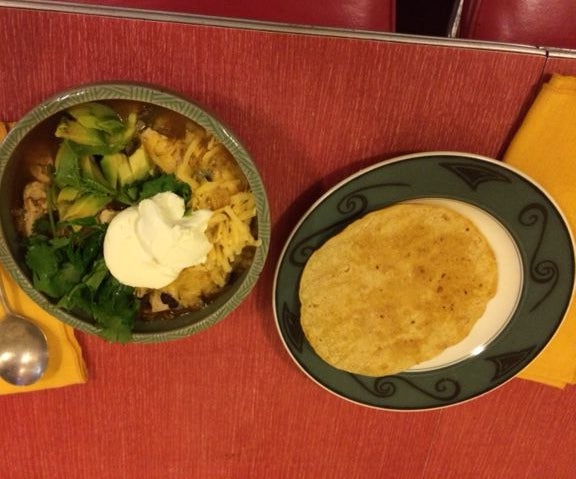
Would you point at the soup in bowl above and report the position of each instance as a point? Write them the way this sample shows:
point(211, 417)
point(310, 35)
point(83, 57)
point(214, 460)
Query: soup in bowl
point(131, 212)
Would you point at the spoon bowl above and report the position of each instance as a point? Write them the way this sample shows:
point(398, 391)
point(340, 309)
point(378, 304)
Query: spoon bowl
point(23, 348)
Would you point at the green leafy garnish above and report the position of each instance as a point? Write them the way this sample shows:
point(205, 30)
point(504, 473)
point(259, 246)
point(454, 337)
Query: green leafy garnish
point(100, 296)
point(54, 267)
point(71, 270)
point(142, 190)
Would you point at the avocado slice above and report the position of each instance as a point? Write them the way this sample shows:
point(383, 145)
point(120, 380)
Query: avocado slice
point(67, 172)
point(140, 164)
point(112, 165)
point(91, 171)
point(67, 194)
point(92, 177)
point(96, 128)
point(119, 140)
point(97, 116)
point(120, 170)
point(87, 205)
point(79, 134)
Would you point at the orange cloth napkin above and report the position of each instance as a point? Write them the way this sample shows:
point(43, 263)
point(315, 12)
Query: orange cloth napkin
point(545, 149)
point(66, 365)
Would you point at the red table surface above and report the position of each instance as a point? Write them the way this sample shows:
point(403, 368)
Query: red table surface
point(229, 402)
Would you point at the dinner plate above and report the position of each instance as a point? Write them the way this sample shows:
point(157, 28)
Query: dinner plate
point(533, 247)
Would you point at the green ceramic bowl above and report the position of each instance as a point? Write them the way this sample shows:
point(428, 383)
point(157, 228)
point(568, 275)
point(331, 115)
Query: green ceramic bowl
point(43, 117)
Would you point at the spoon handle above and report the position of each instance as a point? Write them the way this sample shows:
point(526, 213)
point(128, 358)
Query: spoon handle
point(3, 300)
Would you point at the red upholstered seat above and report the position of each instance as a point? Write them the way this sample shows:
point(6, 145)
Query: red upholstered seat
point(548, 23)
point(374, 15)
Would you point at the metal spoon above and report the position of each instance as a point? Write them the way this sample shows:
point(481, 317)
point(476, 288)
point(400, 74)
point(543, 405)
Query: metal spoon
point(23, 347)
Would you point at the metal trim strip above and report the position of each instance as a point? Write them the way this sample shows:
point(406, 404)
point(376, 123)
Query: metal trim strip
point(176, 17)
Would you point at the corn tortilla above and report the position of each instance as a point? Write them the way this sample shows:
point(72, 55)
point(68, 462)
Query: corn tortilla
point(396, 288)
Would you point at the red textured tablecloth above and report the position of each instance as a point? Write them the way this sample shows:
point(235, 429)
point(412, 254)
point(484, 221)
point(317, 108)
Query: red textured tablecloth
point(229, 402)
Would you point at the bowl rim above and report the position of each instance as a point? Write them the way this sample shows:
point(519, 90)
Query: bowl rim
point(168, 99)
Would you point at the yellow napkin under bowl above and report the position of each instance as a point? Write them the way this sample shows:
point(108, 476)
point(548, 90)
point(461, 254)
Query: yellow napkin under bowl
point(544, 148)
point(66, 364)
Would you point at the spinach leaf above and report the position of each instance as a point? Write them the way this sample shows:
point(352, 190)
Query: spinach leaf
point(71, 270)
point(115, 309)
point(111, 304)
point(52, 271)
point(163, 183)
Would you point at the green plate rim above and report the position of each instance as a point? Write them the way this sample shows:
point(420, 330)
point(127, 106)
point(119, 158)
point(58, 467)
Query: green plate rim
point(537, 225)
point(173, 101)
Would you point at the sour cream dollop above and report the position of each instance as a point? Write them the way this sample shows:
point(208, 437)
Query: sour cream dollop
point(148, 245)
